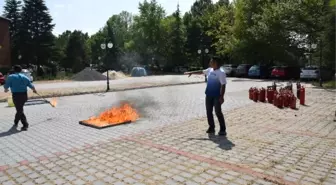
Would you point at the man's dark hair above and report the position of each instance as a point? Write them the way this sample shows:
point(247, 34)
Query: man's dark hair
point(216, 59)
point(11, 72)
point(17, 69)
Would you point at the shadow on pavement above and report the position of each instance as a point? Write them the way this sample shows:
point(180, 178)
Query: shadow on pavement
point(223, 142)
point(35, 102)
point(326, 89)
point(11, 131)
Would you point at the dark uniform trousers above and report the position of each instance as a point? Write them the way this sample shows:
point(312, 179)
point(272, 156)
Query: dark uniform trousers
point(19, 99)
point(210, 103)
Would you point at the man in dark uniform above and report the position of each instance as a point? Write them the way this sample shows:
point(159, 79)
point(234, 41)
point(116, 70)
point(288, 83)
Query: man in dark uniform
point(18, 84)
point(215, 91)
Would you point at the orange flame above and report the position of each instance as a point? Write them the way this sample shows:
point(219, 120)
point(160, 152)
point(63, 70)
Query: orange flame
point(114, 116)
point(53, 102)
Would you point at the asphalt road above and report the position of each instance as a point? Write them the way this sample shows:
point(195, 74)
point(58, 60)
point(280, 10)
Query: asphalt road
point(57, 129)
point(130, 80)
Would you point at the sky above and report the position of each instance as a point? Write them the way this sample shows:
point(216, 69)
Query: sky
point(91, 15)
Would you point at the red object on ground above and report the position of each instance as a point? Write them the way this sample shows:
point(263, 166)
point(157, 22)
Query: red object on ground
point(293, 102)
point(270, 95)
point(251, 93)
point(255, 95)
point(280, 99)
point(286, 100)
point(2, 79)
point(302, 95)
point(275, 98)
point(262, 95)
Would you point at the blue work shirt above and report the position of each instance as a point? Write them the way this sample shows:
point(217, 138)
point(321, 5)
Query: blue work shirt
point(216, 78)
point(18, 83)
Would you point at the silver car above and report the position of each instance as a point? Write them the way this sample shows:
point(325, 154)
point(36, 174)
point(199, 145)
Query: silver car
point(28, 74)
point(230, 69)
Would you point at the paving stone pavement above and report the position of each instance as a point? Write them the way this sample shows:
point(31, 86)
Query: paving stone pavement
point(266, 145)
point(55, 130)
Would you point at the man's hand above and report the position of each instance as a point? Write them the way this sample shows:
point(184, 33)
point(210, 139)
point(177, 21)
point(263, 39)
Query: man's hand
point(34, 91)
point(188, 73)
point(221, 100)
point(6, 90)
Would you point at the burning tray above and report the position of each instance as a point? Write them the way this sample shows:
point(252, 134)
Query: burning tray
point(124, 114)
point(85, 123)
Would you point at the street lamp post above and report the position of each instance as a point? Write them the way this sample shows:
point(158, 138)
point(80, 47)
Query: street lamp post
point(105, 47)
point(312, 46)
point(320, 63)
point(200, 52)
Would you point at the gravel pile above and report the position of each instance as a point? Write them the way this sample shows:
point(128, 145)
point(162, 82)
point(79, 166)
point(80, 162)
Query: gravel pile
point(88, 75)
point(114, 75)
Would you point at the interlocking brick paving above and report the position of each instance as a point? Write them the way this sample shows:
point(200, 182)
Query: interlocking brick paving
point(265, 145)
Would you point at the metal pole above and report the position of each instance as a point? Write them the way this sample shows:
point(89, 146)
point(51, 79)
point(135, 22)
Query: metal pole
point(108, 77)
point(204, 66)
point(320, 72)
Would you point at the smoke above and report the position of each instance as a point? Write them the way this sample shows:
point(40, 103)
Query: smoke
point(130, 59)
point(142, 102)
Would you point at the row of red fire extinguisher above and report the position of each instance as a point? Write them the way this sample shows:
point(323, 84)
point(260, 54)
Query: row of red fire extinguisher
point(282, 98)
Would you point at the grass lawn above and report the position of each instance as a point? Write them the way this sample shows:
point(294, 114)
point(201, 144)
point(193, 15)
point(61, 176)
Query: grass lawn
point(329, 84)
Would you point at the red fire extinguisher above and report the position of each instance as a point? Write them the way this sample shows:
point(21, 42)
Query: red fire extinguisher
point(262, 95)
point(255, 95)
point(302, 95)
point(270, 95)
point(293, 102)
point(251, 93)
point(298, 87)
point(286, 100)
point(275, 98)
point(280, 100)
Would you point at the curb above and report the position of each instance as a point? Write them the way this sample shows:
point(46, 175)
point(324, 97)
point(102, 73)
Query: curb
point(104, 91)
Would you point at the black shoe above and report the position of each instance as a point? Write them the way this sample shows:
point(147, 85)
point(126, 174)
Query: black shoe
point(15, 125)
point(210, 131)
point(24, 128)
point(222, 133)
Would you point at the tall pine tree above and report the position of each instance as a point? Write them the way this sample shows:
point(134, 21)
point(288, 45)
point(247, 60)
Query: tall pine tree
point(36, 32)
point(12, 11)
point(177, 39)
point(111, 53)
point(76, 55)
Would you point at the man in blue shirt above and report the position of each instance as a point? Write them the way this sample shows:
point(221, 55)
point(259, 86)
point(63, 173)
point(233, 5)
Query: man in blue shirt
point(215, 90)
point(18, 84)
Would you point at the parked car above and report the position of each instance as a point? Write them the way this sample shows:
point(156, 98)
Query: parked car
point(259, 71)
point(242, 70)
point(286, 72)
point(2, 79)
point(313, 73)
point(28, 74)
point(138, 72)
point(180, 69)
point(229, 69)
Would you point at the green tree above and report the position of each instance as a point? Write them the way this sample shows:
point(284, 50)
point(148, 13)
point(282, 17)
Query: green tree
point(94, 42)
point(196, 28)
point(59, 49)
point(12, 11)
point(76, 52)
point(36, 32)
point(121, 26)
point(148, 30)
point(178, 40)
point(221, 21)
point(111, 58)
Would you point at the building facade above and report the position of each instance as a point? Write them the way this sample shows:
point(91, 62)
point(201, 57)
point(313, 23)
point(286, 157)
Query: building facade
point(5, 51)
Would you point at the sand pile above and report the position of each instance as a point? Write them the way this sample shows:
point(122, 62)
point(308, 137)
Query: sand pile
point(88, 75)
point(114, 75)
